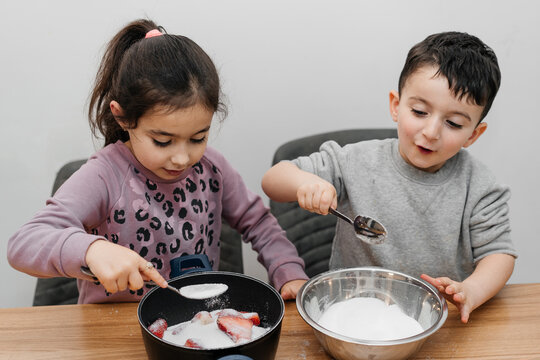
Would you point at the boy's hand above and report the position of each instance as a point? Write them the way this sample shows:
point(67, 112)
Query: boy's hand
point(317, 196)
point(455, 292)
point(119, 268)
point(291, 288)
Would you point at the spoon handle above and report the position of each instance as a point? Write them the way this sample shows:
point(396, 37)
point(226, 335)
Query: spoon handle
point(340, 215)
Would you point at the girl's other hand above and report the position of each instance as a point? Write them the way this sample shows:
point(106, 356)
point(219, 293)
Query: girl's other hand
point(119, 268)
point(290, 289)
point(455, 292)
point(317, 196)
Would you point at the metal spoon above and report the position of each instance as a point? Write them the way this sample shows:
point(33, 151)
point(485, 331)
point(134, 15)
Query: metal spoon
point(367, 229)
point(205, 290)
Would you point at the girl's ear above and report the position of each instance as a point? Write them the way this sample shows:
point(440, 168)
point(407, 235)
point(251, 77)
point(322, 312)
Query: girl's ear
point(118, 113)
point(394, 103)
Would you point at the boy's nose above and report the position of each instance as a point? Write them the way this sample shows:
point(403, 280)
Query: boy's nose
point(432, 129)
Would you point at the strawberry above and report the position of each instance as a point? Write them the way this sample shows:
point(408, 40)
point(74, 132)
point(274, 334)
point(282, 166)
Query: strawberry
point(253, 316)
point(202, 317)
point(237, 328)
point(158, 327)
point(193, 343)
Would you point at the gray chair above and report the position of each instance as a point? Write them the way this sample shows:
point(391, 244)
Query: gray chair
point(312, 234)
point(62, 291)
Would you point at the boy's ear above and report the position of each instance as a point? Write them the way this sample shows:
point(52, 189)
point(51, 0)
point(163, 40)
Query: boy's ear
point(394, 102)
point(118, 113)
point(479, 130)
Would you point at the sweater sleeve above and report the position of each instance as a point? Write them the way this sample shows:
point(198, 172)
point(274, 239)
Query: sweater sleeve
point(325, 164)
point(246, 212)
point(490, 224)
point(54, 242)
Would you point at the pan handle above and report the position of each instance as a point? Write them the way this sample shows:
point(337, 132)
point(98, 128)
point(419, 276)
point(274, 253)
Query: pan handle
point(189, 263)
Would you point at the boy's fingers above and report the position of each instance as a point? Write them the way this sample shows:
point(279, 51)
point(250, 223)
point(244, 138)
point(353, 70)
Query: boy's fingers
point(432, 281)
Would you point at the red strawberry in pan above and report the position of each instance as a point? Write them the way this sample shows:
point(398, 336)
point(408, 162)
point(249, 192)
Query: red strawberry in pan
point(202, 317)
point(237, 328)
point(158, 327)
point(193, 343)
point(253, 316)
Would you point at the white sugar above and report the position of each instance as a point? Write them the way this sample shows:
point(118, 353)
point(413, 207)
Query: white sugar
point(369, 319)
point(203, 291)
point(206, 334)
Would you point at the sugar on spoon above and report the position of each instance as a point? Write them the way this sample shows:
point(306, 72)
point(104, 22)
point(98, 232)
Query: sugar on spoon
point(367, 229)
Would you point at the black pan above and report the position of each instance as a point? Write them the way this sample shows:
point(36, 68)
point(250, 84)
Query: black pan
point(244, 293)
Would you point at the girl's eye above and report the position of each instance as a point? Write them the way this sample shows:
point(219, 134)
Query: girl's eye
point(161, 144)
point(418, 112)
point(198, 141)
point(453, 124)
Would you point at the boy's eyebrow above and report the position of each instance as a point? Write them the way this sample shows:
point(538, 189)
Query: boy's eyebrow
point(465, 115)
point(165, 133)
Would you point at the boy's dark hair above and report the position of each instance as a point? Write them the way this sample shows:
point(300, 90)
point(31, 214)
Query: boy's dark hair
point(469, 65)
point(141, 73)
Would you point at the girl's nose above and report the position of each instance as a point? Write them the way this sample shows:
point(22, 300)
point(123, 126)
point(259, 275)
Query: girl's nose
point(180, 158)
point(432, 128)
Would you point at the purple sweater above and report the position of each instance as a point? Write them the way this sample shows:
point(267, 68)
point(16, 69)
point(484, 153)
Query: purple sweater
point(114, 197)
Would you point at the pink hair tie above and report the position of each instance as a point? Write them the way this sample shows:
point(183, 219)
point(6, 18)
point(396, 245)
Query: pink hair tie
point(153, 33)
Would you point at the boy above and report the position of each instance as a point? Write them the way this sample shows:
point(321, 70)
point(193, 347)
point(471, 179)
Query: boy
point(445, 214)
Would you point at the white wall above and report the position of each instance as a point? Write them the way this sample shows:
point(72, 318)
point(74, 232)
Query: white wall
point(289, 69)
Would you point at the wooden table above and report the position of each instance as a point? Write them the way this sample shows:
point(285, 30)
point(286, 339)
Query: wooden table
point(506, 327)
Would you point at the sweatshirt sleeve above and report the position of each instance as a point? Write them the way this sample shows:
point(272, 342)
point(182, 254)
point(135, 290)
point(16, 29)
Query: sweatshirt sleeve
point(325, 164)
point(246, 212)
point(54, 242)
point(490, 223)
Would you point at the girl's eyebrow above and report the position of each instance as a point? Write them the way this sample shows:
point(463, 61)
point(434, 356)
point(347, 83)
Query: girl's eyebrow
point(165, 133)
point(465, 115)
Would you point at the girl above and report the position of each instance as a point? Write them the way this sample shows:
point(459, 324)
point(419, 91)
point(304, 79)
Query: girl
point(155, 191)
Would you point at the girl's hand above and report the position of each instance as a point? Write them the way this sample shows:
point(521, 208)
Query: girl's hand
point(119, 268)
point(291, 288)
point(455, 292)
point(317, 196)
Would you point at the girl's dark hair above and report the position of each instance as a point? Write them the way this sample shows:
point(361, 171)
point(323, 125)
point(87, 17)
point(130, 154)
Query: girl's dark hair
point(168, 70)
point(469, 65)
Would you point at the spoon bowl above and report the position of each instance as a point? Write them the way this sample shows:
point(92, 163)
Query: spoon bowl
point(367, 229)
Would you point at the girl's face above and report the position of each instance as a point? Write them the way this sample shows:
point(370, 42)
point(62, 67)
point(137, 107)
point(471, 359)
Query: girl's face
point(169, 142)
point(433, 125)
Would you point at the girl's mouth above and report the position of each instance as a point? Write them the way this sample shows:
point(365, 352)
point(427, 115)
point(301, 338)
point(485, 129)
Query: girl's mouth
point(174, 172)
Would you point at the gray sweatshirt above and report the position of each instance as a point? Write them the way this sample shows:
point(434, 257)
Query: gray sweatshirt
point(438, 223)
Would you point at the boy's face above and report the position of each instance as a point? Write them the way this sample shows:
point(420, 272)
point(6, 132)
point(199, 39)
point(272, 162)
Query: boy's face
point(433, 125)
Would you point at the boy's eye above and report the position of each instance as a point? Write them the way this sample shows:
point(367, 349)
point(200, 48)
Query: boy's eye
point(161, 144)
point(418, 112)
point(453, 124)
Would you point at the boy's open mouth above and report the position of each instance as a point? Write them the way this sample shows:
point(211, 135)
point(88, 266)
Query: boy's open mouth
point(424, 150)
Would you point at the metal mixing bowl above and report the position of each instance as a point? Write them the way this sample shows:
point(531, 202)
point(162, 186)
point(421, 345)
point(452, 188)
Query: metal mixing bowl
point(415, 297)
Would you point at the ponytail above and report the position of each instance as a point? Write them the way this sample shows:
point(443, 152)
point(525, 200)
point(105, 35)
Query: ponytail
point(139, 73)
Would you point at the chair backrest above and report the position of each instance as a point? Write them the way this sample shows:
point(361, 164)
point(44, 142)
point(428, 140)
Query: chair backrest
point(61, 291)
point(312, 234)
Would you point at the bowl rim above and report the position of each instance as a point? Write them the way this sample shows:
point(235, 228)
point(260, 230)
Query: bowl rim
point(373, 269)
point(212, 273)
